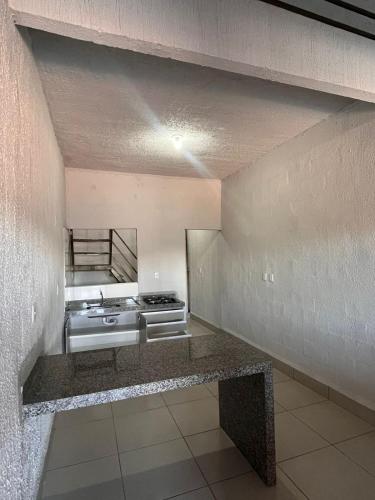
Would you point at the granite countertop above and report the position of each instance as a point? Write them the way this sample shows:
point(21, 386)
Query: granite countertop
point(67, 381)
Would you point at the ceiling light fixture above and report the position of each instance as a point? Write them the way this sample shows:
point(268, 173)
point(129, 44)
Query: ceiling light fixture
point(177, 142)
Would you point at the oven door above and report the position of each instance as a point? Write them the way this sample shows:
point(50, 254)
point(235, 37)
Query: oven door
point(163, 325)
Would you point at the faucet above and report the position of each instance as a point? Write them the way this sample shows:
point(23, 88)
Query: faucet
point(102, 298)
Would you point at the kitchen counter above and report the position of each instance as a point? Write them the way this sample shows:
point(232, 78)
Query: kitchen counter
point(67, 381)
point(121, 321)
point(119, 304)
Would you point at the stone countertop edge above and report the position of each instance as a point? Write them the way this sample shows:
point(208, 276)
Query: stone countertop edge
point(109, 395)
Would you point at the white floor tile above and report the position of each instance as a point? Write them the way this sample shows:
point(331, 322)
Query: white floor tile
point(196, 416)
point(145, 429)
point(81, 443)
point(201, 494)
point(250, 487)
point(361, 450)
point(192, 393)
point(294, 438)
point(137, 405)
point(278, 408)
point(293, 395)
point(279, 376)
point(95, 480)
point(208, 442)
point(159, 472)
point(332, 422)
point(217, 456)
point(197, 329)
point(213, 387)
point(327, 474)
point(83, 464)
point(82, 415)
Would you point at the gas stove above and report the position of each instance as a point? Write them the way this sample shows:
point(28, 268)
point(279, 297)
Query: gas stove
point(163, 318)
point(159, 299)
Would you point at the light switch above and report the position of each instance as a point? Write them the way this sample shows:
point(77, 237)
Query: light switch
point(271, 277)
point(265, 276)
point(33, 313)
point(156, 275)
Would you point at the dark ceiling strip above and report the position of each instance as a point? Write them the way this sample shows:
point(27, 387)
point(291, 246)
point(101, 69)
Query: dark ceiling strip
point(353, 8)
point(317, 17)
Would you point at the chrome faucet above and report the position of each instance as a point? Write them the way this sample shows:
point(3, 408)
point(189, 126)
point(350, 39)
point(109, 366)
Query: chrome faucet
point(102, 298)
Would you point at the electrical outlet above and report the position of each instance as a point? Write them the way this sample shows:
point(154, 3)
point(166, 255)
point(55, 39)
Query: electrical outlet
point(156, 275)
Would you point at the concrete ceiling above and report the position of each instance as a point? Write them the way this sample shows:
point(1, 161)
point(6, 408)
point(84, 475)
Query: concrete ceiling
point(118, 110)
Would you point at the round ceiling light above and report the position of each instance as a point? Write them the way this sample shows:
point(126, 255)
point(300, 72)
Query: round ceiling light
point(177, 142)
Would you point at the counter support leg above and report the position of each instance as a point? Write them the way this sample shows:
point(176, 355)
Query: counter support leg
point(246, 415)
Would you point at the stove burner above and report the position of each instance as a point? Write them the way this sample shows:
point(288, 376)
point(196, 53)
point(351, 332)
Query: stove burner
point(159, 299)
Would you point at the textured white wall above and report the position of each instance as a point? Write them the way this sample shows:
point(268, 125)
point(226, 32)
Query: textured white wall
point(306, 212)
point(242, 36)
point(159, 207)
point(205, 274)
point(31, 254)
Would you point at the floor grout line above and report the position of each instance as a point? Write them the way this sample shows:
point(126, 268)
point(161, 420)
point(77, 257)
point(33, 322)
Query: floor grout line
point(185, 492)
point(212, 395)
point(82, 423)
point(150, 445)
point(354, 437)
point(44, 471)
point(293, 377)
point(309, 426)
point(304, 454)
point(208, 485)
point(331, 445)
point(197, 463)
point(300, 407)
point(252, 472)
point(320, 435)
point(353, 461)
point(307, 453)
point(188, 447)
point(81, 463)
point(295, 484)
point(118, 454)
point(192, 400)
point(118, 417)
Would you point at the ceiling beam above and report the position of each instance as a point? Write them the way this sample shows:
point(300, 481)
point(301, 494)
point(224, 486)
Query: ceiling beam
point(243, 36)
point(337, 13)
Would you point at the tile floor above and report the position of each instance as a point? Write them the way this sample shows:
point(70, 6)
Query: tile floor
point(170, 446)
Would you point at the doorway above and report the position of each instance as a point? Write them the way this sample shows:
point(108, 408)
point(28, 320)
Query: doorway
point(203, 273)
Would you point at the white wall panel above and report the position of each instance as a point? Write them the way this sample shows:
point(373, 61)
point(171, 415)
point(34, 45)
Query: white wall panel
point(159, 207)
point(31, 254)
point(306, 212)
point(242, 36)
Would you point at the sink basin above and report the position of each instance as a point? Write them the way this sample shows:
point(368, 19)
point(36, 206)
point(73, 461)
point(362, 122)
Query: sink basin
point(104, 306)
point(91, 306)
point(100, 327)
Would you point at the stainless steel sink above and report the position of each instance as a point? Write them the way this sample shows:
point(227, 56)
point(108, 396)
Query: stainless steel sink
point(100, 306)
point(106, 304)
point(100, 327)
